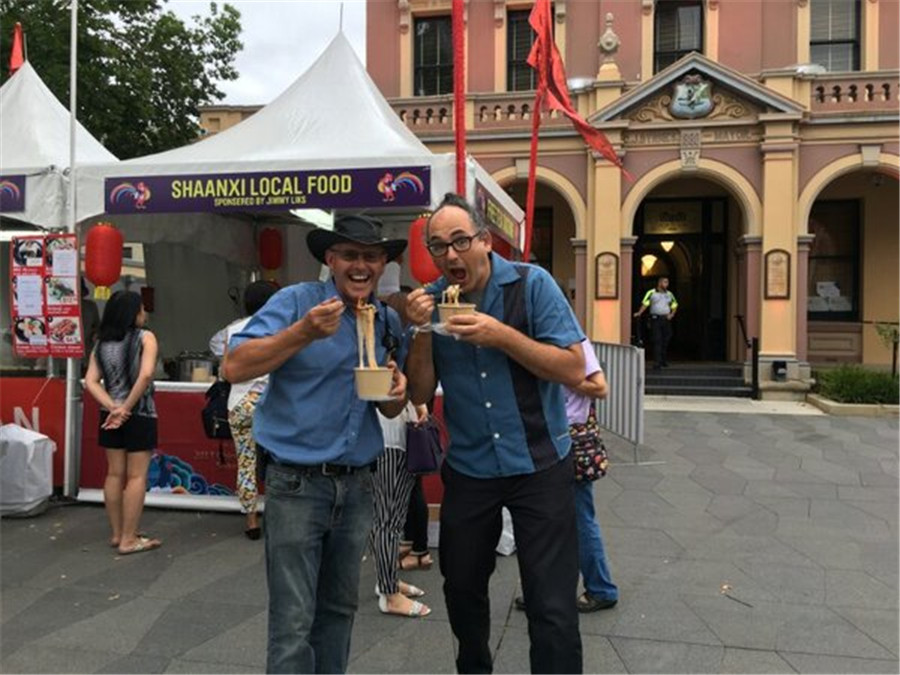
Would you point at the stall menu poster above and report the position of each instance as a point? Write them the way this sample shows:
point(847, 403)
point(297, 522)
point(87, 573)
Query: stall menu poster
point(46, 303)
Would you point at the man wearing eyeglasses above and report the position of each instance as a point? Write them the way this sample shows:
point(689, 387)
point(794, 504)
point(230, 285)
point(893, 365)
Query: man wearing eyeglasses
point(501, 369)
point(320, 441)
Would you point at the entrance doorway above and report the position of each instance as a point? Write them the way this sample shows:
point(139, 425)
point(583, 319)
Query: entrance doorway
point(685, 240)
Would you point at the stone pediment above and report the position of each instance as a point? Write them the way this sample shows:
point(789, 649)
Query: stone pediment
point(696, 88)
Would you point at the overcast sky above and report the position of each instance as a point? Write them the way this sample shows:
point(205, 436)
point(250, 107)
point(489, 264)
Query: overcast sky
point(281, 40)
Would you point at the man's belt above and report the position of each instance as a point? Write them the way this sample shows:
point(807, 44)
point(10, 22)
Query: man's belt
point(325, 469)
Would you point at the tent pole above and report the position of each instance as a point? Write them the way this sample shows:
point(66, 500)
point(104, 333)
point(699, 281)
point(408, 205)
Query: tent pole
point(70, 483)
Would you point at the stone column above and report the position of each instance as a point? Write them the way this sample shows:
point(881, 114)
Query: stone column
point(579, 248)
point(751, 246)
point(605, 230)
point(626, 267)
point(804, 242)
point(778, 336)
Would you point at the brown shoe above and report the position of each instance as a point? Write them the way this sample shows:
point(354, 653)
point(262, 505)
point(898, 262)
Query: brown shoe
point(589, 603)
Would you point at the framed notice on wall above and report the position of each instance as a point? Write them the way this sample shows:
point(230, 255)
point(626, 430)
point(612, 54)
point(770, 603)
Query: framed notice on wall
point(778, 274)
point(606, 276)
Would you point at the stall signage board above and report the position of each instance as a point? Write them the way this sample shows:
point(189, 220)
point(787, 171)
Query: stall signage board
point(272, 190)
point(12, 194)
point(498, 218)
point(45, 303)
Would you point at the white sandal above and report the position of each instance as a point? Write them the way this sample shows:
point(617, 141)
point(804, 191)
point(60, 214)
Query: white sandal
point(416, 609)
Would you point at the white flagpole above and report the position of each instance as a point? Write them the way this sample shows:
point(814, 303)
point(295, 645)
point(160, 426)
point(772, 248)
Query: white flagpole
point(70, 477)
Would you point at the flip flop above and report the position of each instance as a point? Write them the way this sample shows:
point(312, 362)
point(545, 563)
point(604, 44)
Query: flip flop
point(116, 545)
point(143, 544)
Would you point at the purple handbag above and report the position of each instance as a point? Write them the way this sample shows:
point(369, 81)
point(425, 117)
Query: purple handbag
point(423, 447)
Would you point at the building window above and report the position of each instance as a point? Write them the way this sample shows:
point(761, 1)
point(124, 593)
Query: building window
point(833, 290)
point(433, 74)
point(678, 30)
point(834, 34)
point(519, 38)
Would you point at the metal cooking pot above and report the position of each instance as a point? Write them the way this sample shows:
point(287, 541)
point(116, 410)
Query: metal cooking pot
point(188, 361)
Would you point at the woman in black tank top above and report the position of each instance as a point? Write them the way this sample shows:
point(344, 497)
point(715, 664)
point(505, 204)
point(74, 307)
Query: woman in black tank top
point(120, 378)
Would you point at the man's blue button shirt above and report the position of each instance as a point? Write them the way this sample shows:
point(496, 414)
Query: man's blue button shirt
point(309, 413)
point(502, 420)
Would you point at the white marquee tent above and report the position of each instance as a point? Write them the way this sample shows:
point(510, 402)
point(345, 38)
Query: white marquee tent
point(332, 118)
point(34, 142)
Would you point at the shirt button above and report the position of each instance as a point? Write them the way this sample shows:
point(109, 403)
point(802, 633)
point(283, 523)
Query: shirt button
point(496, 435)
point(483, 375)
point(487, 404)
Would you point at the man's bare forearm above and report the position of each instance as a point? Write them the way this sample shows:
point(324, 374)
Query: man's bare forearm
point(260, 356)
point(420, 370)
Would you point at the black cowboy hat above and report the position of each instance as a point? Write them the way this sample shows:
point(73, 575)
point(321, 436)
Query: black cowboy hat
point(353, 230)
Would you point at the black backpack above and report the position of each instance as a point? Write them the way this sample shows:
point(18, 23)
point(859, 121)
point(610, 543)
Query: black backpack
point(215, 412)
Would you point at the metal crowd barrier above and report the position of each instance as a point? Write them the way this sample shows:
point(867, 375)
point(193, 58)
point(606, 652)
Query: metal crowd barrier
point(622, 411)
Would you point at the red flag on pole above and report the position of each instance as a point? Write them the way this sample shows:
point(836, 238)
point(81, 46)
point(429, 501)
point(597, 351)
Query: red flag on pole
point(553, 92)
point(17, 53)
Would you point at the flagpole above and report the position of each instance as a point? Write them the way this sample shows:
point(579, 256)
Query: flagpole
point(459, 93)
point(70, 487)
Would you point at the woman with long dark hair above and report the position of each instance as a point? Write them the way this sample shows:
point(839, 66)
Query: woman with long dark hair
point(124, 359)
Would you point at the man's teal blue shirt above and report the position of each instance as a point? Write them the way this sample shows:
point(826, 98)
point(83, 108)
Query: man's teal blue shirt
point(309, 412)
point(502, 419)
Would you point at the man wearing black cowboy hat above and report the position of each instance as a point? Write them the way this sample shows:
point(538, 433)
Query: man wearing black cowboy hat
point(320, 440)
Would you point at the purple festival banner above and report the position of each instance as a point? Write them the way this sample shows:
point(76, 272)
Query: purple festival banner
point(271, 190)
point(12, 194)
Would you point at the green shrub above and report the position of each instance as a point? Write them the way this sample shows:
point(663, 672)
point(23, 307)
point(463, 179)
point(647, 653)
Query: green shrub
point(854, 384)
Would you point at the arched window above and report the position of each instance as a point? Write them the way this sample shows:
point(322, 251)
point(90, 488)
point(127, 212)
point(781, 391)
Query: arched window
point(678, 30)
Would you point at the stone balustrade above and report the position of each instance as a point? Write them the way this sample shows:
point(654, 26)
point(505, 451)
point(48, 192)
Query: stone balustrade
point(511, 111)
point(433, 115)
point(426, 114)
point(856, 92)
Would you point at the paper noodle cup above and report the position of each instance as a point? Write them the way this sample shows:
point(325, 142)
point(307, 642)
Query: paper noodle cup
point(445, 311)
point(373, 384)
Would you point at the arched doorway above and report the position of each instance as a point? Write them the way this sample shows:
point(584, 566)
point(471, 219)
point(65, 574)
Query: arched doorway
point(554, 229)
point(686, 229)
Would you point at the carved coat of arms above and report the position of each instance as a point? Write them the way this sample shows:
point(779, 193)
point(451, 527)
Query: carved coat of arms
point(692, 98)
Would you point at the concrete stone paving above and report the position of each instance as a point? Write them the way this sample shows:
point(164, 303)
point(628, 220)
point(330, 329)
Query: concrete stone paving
point(742, 542)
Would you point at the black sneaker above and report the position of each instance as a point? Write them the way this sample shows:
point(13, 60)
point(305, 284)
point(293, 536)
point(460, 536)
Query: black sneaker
point(519, 603)
point(589, 603)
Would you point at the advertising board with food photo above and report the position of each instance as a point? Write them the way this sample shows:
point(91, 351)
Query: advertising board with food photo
point(45, 304)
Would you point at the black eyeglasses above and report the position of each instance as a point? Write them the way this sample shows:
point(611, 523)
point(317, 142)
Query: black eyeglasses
point(351, 256)
point(460, 245)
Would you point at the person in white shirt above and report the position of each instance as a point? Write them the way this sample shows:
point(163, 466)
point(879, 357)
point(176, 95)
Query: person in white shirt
point(241, 404)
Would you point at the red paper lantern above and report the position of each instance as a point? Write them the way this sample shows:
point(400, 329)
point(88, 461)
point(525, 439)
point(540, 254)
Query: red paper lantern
point(103, 258)
point(271, 250)
point(421, 264)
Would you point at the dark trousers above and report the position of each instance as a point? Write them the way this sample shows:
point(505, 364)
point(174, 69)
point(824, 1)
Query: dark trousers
point(416, 528)
point(661, 328)
point(542, 506)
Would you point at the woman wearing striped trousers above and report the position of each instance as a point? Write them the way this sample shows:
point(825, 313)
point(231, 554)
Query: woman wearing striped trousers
point(392, 487)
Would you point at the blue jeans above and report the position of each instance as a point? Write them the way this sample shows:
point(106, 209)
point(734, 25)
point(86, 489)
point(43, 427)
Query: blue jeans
point(316, 528)
point(591, 555)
